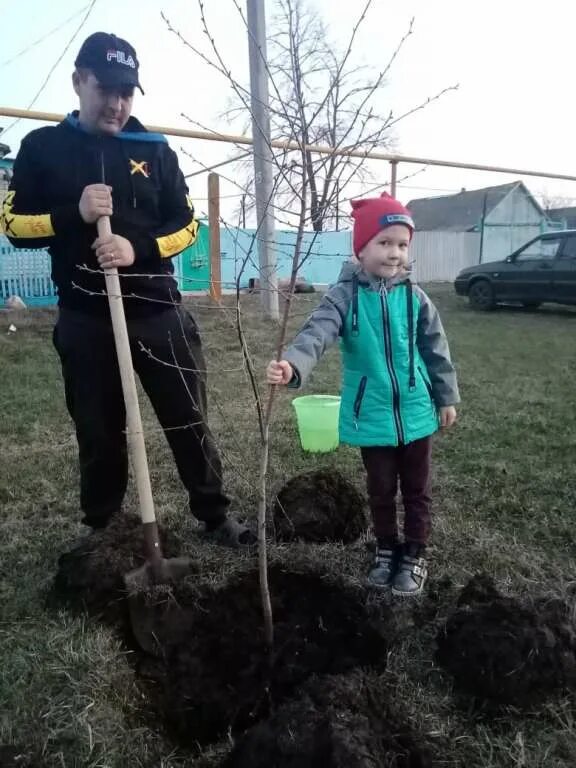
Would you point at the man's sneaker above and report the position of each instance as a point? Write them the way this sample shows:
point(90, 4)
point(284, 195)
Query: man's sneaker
point(382, 573)
point(411, 576)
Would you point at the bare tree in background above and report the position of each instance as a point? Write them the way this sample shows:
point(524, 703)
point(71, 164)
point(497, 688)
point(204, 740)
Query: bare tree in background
point(550, 202)
point(323, 97)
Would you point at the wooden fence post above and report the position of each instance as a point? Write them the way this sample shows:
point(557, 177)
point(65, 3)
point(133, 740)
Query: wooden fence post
point(214, 226)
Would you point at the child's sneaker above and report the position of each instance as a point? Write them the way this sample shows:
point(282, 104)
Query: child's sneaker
point(411, 574)
point(382, 573)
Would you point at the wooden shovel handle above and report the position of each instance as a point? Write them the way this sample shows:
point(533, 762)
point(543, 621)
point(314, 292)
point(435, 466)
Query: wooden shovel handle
point(135, 433)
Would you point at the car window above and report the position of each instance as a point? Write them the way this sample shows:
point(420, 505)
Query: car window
point(539, 250)
point(569, 250)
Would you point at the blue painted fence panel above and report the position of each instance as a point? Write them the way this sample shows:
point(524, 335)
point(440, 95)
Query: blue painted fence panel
point(327, 251)
point(26, 274)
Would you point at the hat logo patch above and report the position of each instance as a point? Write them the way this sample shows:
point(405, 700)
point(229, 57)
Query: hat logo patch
point(396, 218)
point(121, 58)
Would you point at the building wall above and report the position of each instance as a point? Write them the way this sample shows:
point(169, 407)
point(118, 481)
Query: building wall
point(439, 256)
point(511, 224)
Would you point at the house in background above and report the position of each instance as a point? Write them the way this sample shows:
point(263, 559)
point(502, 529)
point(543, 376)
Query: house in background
point(498, 219)
point(564, 216)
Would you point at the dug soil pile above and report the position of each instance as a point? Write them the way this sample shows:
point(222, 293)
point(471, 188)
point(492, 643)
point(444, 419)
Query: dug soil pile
point(212, 677)
point(90, 576)
point(338, 722)
point(216, 677)
point(506, 651)
point(319, 507)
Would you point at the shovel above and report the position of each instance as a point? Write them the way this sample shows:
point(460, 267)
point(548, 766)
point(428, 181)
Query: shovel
point(157, 569)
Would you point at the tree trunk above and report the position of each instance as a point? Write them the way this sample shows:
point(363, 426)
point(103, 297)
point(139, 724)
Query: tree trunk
point(262, 547)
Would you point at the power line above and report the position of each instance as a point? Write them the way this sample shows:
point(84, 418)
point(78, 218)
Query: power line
point(28, 48)
point(53, 68)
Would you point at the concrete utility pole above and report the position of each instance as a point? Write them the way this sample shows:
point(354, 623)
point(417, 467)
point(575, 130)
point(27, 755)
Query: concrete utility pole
point(263, 177)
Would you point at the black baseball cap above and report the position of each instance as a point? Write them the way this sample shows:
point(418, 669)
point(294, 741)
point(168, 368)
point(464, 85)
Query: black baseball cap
point(113, 61)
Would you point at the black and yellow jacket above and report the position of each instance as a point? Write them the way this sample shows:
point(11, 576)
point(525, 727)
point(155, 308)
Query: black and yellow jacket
point(151, 209)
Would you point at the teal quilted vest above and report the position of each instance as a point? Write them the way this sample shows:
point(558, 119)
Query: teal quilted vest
point(386, 391)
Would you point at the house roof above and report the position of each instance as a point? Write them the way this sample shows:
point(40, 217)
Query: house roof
point(463, 211)
point(567, 214)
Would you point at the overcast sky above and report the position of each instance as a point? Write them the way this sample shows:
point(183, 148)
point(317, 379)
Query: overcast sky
point(514, 66)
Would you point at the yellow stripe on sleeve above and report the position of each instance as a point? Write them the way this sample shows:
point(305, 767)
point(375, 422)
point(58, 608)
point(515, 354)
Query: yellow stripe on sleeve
point(23, 225)
point(170, 245)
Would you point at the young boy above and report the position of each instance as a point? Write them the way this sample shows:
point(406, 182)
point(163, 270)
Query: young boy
point(398, 382)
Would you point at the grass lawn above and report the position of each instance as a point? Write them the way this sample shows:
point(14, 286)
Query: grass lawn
point(505, 503)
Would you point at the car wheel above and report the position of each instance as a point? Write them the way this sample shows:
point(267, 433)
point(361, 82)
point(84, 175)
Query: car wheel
point(481, 295)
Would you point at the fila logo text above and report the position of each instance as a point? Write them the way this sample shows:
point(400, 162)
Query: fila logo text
point(121, 58)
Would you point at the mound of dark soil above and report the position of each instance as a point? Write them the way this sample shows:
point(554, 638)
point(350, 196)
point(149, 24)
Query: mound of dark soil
point(479, 590)
point(218, 677)
point(435, 602)
point(90, 576)
point(319, 507)
point(505, 651)
point(338, 722)
point(213, 675)
point(14, 757)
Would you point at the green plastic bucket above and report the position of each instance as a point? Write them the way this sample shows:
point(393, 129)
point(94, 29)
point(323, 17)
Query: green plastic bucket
point(317, 417)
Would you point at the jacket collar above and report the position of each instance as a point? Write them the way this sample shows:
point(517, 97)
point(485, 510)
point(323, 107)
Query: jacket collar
point(132, 131)
point(353, 268)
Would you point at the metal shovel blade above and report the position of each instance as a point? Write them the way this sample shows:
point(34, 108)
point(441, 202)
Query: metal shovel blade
point(151, 602)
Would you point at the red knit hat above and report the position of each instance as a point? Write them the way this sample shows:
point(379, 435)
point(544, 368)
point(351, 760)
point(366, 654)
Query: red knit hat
point(373, 214)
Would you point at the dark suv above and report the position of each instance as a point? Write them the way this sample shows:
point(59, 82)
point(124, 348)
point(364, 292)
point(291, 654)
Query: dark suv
point(542, 270)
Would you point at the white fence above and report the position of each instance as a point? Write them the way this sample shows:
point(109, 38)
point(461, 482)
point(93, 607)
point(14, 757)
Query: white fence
point(439, 256)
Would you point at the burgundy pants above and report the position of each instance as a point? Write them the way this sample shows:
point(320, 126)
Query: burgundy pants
point(409, 464)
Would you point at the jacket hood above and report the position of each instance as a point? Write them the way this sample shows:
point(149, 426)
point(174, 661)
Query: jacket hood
point(132, 131)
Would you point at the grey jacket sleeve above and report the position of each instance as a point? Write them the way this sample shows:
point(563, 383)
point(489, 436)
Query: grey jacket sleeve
point(433, 347)
point(320, 330)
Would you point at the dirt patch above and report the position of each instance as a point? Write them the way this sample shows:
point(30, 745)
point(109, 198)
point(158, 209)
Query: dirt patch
point(479, 590)
point(338, 722)
point(12, 756)
point(505, 651)
point(90, 576)
point(212, 675)
point(216, 677)
point(319, 507)
point(438, 599)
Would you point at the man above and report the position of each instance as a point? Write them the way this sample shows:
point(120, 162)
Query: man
point(100, 161)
